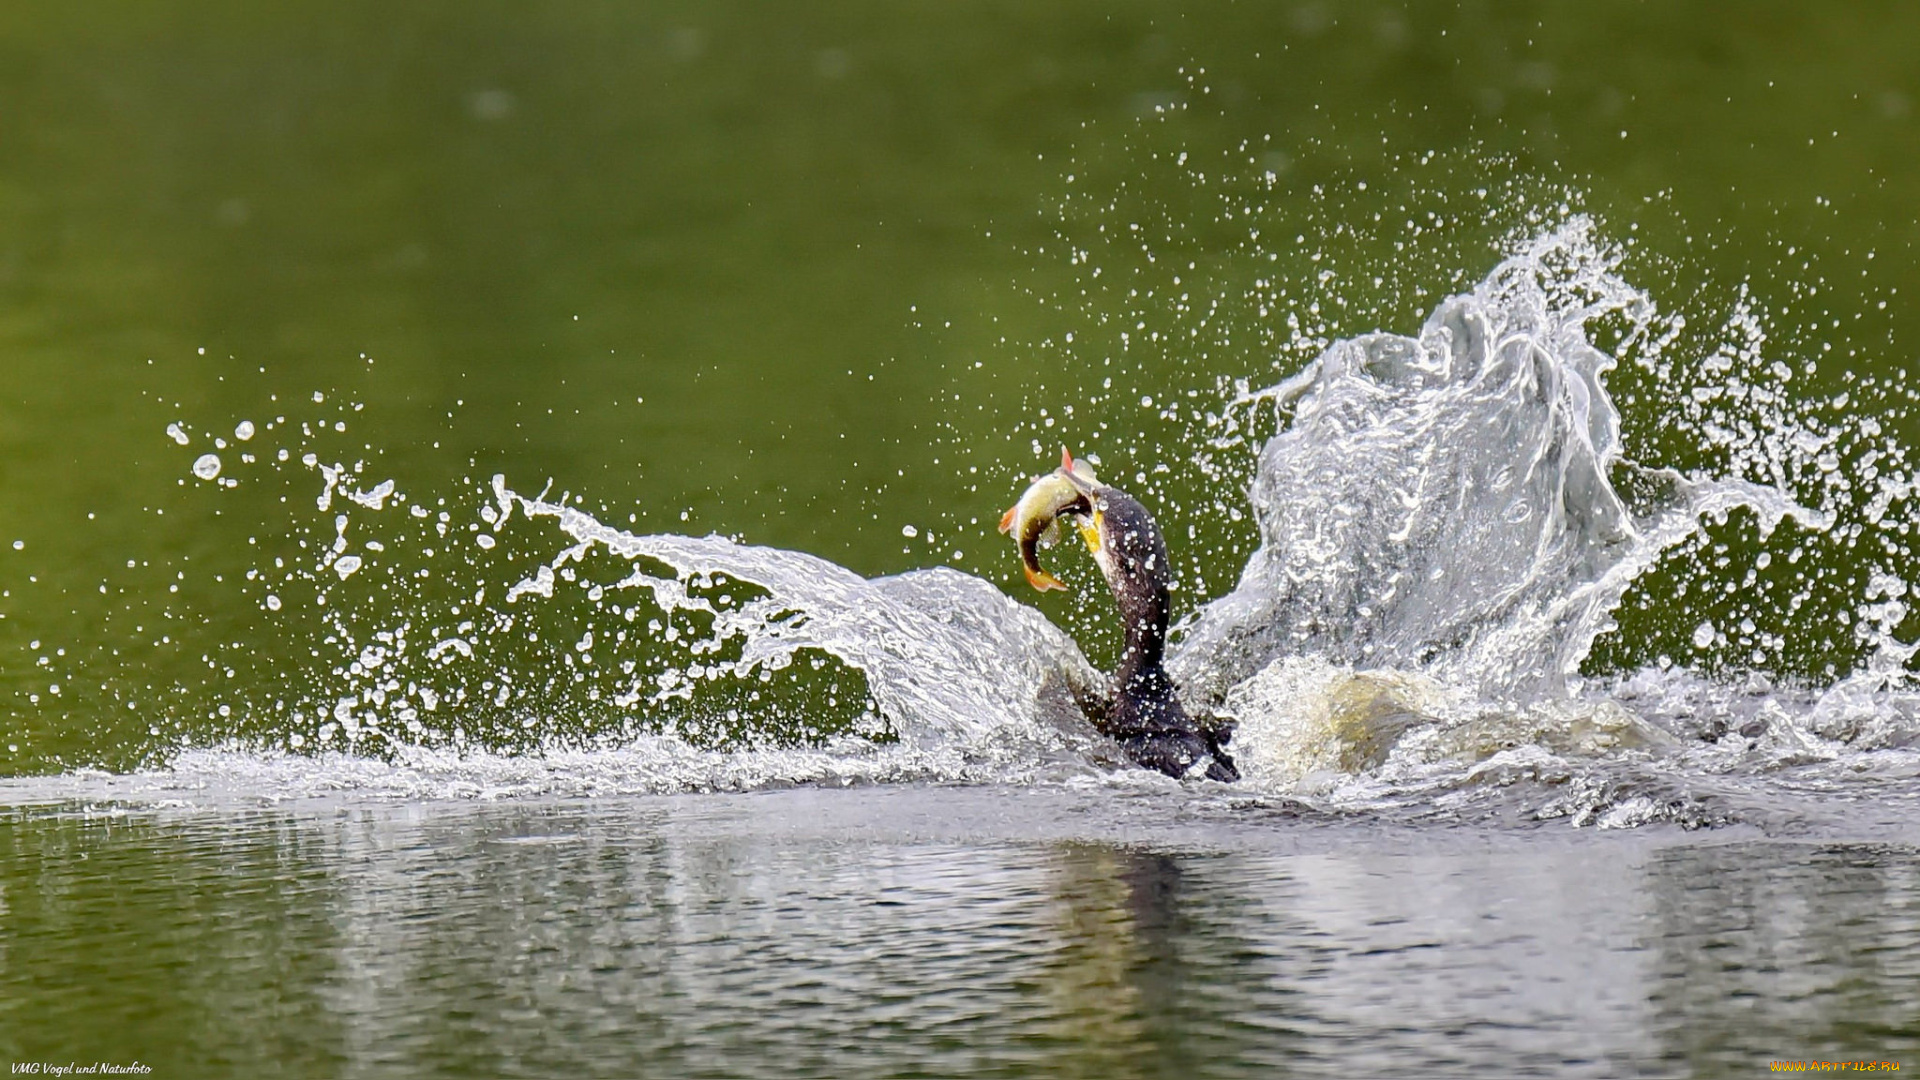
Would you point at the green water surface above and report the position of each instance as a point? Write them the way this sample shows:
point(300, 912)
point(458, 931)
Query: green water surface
point(805, 275)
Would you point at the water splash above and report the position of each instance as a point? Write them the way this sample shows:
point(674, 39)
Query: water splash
point(1448, 523)
point(1444, 502)
point(949, 659)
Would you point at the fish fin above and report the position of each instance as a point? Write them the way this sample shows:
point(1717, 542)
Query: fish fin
point(1006, 519)
point(1076, 471)
point(1042, 580)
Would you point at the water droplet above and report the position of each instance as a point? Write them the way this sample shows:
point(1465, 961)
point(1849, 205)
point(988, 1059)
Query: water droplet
point(179, 435)
point(908, 530)
point(485, 541)
point(207, 467)
point(1703, 635)
point(273, 602)
point(243, 431)
point(346, 566)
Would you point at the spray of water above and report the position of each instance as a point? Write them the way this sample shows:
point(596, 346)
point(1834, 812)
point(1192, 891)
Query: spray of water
point(1448, 525)
point(1443, 503)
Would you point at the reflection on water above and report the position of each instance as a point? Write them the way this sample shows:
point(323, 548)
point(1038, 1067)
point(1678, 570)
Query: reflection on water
point(977, 931)
point(1837, 933)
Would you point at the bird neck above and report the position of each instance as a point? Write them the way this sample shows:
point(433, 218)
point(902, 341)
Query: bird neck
point(1133, 558)
point(1145, 702)
point(1144, 611)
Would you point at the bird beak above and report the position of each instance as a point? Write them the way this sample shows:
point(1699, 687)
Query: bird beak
point(1089, 520)
point(1090, 526)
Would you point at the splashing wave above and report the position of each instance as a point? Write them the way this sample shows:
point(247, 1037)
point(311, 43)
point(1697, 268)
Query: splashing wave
point(1448, 523)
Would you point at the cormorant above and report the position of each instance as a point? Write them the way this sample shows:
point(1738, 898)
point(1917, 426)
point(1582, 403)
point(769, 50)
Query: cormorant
point(1145, 717)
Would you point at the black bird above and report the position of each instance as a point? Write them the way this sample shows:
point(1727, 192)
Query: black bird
point(1145, 717)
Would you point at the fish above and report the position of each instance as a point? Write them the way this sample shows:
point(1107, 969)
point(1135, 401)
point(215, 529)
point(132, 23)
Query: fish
point(1034, 521)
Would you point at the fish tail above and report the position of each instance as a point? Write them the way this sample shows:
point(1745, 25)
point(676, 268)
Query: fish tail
point(1042, 580)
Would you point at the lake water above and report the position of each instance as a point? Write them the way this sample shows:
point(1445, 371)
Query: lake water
point(908, 930)
point(497, 567)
